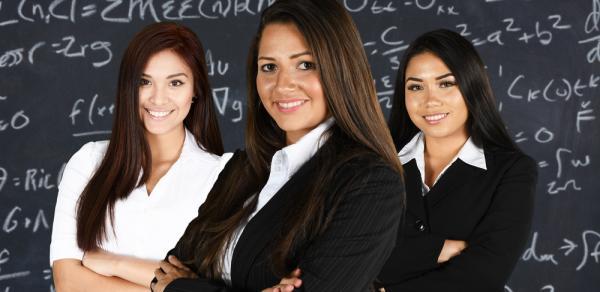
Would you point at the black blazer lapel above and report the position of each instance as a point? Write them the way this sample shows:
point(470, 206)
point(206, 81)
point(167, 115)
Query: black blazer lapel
point(455, 176)
point(413, 184)
point(262, 229)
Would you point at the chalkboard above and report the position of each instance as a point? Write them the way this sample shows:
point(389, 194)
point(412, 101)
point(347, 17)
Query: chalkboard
point(58, 71)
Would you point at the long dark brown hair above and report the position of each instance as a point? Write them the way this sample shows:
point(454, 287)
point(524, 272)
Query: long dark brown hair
point(359, 130)
point(484, 122)
point(128, 152)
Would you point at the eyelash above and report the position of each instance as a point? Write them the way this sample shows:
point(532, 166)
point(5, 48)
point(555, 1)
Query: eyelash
point(144, 82)
point(174, 83)
point(447, 83)
point(443, 84)
point(270, 67)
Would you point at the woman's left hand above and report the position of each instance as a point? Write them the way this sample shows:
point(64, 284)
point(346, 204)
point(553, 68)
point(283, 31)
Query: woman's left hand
point(169, 271)
point(287, 284)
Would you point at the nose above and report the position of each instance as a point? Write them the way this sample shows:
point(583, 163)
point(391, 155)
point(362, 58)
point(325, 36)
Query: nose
point(286, 82)
point(159, 94)
point(432, 97)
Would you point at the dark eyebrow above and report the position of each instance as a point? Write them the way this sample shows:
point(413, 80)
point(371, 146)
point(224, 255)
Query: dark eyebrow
point(443, 76)
point(266, 58)
point(414, 79)
point(177, 75)
point(168, 77)
point(294, 56)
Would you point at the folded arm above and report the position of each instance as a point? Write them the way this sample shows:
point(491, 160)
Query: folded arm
point(496, 243)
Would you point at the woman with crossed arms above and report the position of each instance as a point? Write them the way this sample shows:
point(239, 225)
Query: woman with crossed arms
point(470, 190)
point(157, 168)
point(318, 186)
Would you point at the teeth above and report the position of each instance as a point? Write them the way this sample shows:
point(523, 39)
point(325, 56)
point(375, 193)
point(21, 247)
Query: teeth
point(158, 114)
point(290, 104)
point(437, 117)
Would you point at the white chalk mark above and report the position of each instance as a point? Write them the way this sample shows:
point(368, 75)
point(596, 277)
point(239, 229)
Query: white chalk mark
point(92, 133)
point(14, 275)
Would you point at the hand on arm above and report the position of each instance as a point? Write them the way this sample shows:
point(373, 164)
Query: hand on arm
point(170, 271)
point(287, 284)
point(496, 243)
point(451, 249)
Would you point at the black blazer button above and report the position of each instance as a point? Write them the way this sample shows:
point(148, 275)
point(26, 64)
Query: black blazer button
point(419, 225)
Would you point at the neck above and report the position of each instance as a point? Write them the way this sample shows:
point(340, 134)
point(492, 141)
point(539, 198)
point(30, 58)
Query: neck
point(166, 147)
point(444, 148)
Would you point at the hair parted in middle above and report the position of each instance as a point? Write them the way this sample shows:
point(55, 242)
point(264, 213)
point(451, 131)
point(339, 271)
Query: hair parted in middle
point(359, 129)
point(128, 151)
point(484, 124)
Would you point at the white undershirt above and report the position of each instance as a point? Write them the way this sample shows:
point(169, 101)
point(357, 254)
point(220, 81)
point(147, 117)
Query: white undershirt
point(145, 226)
point(284, 165)
point(469, 153)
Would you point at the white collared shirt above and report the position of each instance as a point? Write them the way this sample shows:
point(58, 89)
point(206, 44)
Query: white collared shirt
point(145, 226)
point(284, 165)
point(469, 153)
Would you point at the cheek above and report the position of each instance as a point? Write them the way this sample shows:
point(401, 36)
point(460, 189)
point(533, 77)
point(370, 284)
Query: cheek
point(411, 104)
point(264, 85)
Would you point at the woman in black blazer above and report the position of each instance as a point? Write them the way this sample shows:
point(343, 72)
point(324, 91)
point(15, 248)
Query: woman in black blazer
point(319, 186)
point(470, 190)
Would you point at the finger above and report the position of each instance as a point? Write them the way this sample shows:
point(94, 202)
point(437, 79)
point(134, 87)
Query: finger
point(176, 262)
point(167, 267)
point(159, 274)
point(288, 281)
point(296, 273)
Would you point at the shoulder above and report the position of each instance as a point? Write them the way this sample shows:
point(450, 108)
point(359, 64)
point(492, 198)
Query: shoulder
point(366, 167)
point(89, 156)
point(500, 159)
point(82, 166)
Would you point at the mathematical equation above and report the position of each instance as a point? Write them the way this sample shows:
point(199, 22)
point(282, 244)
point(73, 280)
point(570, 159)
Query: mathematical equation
point(6, 276)
point(586, 249)
point(33, 179)
point(67, 47)
point(14, 121)
point(119, 11)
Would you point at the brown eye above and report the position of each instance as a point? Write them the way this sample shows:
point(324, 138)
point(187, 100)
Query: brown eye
point(176, 83)
point(414, 87)
point(268, 67)
point(445, 84)
point(144, 82)
point(306, 66)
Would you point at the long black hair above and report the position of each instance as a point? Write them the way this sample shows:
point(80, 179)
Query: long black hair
point(484, 123)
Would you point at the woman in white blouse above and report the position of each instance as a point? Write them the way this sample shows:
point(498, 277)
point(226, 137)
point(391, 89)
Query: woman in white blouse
point(162, 159)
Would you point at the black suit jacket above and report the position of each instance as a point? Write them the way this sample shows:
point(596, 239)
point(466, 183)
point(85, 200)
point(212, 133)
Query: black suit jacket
point(346, 257)
point(489, 209)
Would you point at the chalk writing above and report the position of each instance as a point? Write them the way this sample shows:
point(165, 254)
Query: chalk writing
point(66, 47)
point(221, 99)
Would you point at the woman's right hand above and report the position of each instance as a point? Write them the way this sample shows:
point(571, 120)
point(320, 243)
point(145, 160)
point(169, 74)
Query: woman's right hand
point(451, 249)
point(287, 284)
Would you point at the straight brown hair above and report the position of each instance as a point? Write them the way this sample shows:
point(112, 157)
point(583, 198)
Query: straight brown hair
point(359, 130)
point(128, 152)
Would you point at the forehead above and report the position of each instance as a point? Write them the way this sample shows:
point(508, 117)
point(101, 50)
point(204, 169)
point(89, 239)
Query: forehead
point(426, 64)
point(281, 38)
point(166, 62)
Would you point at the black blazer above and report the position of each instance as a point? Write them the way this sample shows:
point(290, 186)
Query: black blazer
point(346, 257)
point(489, 209)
